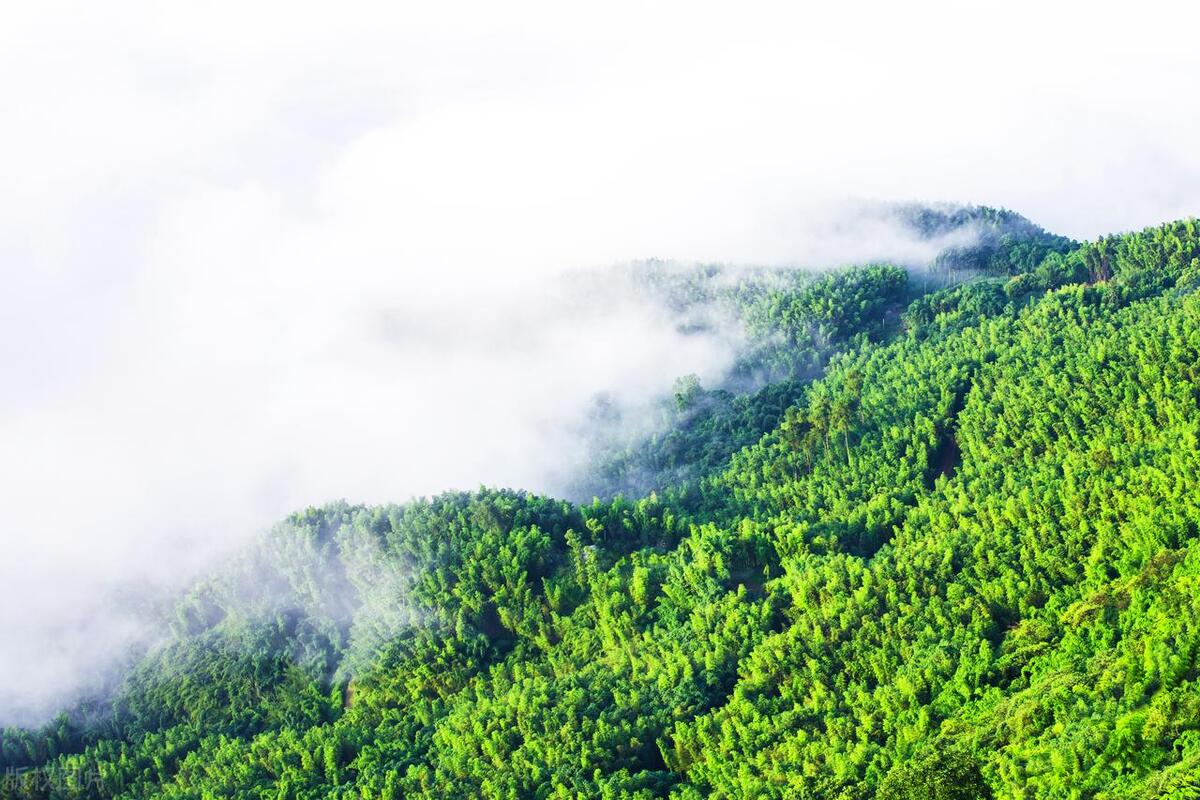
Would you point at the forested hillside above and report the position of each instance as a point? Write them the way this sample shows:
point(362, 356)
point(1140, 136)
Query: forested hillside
point(932, 539)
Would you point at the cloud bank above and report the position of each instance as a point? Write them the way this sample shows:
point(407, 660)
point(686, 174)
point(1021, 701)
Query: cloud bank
point(260, 258)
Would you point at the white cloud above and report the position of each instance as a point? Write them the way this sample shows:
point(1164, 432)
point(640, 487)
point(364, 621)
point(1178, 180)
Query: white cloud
point(261, 256)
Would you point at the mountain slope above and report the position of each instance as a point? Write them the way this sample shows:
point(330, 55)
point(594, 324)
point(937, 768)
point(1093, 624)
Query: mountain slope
point(962, 563)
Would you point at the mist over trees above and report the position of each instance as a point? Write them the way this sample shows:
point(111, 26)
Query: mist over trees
point(933, 536)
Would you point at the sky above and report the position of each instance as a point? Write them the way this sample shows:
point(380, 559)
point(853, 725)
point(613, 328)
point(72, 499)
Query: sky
point(261, 256)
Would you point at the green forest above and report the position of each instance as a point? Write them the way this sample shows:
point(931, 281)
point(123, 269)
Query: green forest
point(936, 537)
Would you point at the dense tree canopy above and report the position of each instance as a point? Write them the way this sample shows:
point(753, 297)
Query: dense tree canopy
point(949, 550)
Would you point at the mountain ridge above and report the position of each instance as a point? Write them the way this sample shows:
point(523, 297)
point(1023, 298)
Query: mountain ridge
point(811, 599)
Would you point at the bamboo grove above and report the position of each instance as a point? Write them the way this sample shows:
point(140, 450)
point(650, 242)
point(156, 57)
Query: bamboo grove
point(946, 544)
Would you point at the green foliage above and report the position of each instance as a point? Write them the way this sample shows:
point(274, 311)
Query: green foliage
point(962, 562)
point(1000, 242)
point(938, 775)
point(794, 324)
